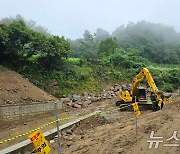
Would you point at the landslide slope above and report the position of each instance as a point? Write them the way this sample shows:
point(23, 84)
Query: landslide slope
point(16, 89)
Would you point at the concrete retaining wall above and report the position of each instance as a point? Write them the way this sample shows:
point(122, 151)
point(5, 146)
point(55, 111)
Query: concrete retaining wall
point(20, 112)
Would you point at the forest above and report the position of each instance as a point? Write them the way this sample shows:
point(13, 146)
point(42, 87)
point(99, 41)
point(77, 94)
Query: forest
point(61, 65)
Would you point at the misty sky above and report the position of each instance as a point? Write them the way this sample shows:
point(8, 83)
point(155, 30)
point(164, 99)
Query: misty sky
point(72, 17)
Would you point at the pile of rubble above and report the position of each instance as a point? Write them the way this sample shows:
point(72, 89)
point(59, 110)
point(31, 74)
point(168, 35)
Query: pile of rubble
point(84, 100)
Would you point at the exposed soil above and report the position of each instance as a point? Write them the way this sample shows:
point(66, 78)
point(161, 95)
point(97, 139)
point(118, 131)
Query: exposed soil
point(15, 89)
point(115, 133)
point(105, 134)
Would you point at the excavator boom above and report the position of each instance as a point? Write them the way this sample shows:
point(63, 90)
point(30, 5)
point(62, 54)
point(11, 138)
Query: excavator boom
point(144, 73)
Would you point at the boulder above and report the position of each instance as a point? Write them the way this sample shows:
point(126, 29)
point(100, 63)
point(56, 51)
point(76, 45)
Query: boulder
point(86, 103)
point(112, 88)
point(65, 100)
point(70, 103)
point(85, 94)
point(99, 98)
point(116, 88)
point(51, 142)
point(75, 96)
point(104, 121)
point(76, 106)
point(109, 96)
point(79, 102)
point(94, 99)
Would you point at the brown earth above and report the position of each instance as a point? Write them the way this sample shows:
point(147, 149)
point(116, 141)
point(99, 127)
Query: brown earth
point(118, 134)
point(16, 89)
point(105, 134)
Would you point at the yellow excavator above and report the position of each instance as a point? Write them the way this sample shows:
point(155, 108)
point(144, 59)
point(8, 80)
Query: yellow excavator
point(134, 93)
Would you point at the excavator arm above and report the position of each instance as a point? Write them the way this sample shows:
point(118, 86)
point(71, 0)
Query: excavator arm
point(144, 73)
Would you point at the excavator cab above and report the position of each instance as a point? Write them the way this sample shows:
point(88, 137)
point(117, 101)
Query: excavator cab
point(141, 95)
point(126, 96)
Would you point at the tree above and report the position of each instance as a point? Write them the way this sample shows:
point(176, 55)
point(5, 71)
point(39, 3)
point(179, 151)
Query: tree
point(87, 35)
point(3, 40)
point(15, 36)
point(101, 34)
point(88, 47)
point(107, 47)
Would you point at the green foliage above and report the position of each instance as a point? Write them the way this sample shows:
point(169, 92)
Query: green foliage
point(125, 59)
point(157, 42)
point(95, 59)
point(88, 47)
point(19, 42)
point(107, 47)
point(30, 24)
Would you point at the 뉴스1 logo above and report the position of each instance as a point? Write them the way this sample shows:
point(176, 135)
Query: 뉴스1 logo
point(158, 140)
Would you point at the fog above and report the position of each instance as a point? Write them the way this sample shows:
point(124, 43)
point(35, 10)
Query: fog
point(71, 18)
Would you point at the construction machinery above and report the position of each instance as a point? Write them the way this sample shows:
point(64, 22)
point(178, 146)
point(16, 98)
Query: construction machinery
point(134, 93)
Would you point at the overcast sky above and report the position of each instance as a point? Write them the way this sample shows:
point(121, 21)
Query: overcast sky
point(72, 17)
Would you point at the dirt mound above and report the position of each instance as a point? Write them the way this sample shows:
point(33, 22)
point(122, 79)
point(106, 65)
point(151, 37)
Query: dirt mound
point(16, 89)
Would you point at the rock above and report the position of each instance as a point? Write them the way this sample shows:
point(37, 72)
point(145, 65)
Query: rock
point(28, 99)
point(66, 137)
point(117, 93)
point(120, 150)
point(70, 104)
point(85, 94)
point(86, 103)
point(104, 95)
point(112, 88)
point(85, 98)
point(70, 139)
point(82, 136)
point(69, 143)
point(69, 131)
point(99, 98)
point(51, 141)
point(109, 97)
point(76, 106)
point(54, 84)
point(104, 121)
point(116, 88)
point(9, 102)
point(69, 96)
point(25, 85)
point(65, 100)
point(167, 95)
point(94, 99)
point(75, 96)
point(64, 96)
point(79, 103)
